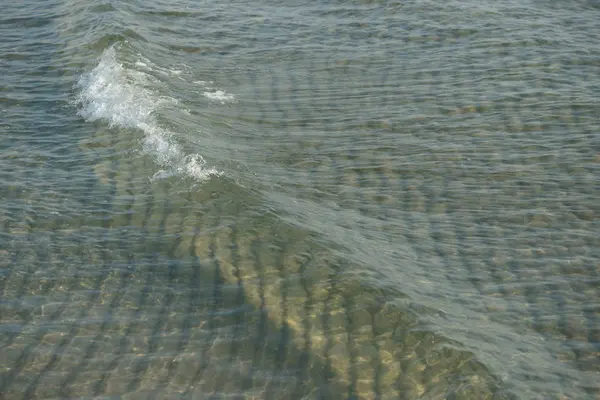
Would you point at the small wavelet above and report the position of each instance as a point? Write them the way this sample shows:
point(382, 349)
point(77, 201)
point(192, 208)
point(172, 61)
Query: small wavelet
point(113, 93)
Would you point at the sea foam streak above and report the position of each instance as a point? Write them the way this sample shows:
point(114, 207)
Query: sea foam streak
point(117, 95)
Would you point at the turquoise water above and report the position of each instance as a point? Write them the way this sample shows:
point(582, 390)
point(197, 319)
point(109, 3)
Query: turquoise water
point(286, 200)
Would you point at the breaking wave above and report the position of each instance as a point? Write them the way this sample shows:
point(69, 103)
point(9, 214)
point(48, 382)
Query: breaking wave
point(120, 96)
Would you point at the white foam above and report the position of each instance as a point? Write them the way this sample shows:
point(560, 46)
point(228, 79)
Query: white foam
point(219, 95)
point(213, 93)
point(117, 95)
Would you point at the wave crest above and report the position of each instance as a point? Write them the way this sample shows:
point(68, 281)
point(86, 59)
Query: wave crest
point(119, 96)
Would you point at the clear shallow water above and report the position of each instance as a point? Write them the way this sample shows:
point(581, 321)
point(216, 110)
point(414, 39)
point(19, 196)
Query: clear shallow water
point(319, 200)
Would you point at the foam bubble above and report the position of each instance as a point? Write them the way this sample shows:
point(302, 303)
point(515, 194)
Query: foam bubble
point(215, 93)
point(118, 95)
point(219, 95)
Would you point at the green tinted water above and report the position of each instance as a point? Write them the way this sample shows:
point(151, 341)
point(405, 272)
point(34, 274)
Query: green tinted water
point(324, 200)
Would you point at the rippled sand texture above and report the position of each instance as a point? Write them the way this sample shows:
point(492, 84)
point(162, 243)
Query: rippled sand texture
point(334, 200)
point(215, 306)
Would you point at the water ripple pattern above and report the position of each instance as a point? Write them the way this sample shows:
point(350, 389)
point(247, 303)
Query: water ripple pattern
point(300, 200)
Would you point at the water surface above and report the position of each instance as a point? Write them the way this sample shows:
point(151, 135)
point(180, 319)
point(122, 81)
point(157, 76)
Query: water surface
point(364, 199)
